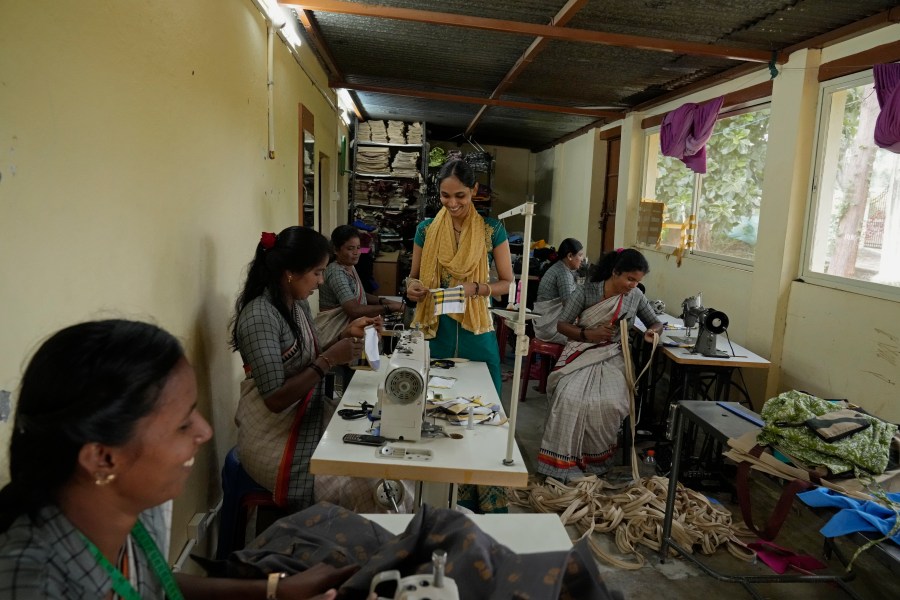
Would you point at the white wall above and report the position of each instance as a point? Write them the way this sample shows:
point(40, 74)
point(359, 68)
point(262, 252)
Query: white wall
point(134, 180)
point(833, 343)
point(570, 210)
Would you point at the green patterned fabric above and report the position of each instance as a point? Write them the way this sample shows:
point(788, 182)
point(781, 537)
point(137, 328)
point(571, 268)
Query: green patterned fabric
point(864, 452)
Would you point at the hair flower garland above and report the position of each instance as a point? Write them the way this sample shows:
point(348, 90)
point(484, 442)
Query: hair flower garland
point(267, 240)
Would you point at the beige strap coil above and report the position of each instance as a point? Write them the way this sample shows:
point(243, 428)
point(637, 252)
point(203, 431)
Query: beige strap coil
point(634, 513)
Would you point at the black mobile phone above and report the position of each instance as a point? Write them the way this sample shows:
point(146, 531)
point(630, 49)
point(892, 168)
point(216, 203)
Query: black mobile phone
point(363, 439)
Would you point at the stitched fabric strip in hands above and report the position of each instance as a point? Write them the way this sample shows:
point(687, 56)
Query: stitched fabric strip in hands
point(449, 301)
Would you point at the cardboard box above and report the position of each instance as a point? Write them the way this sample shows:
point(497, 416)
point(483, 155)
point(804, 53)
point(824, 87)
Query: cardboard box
point(650, 222)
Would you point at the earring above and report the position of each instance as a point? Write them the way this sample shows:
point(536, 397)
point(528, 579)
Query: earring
point(102, 480)
point(290, 278)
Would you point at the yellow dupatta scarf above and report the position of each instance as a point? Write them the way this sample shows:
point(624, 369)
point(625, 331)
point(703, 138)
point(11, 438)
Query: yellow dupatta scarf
point(467, 263)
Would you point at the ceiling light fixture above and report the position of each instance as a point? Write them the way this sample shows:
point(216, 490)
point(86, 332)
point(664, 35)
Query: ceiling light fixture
point(346, 104)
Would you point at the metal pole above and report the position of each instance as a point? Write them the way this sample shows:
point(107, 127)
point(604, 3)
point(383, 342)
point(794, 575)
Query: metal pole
point(519, 328)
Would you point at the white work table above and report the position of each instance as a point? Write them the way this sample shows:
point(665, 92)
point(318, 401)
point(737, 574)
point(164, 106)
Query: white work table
point(523, 533)
point(477, 458)
point(741, 357)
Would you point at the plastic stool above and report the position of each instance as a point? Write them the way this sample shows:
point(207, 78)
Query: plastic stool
point(552, 353)
point(239, 495)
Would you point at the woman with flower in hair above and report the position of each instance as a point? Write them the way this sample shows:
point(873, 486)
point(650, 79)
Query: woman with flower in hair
point(280, 412)
point(589, 396)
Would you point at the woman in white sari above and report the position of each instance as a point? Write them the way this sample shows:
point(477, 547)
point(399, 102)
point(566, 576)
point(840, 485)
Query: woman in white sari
point(588, 391)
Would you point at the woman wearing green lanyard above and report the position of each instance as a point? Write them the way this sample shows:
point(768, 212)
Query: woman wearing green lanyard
point(105, 434)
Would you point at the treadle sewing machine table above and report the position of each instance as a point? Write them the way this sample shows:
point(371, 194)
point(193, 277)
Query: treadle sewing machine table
point(477, 458)
point(722, 424)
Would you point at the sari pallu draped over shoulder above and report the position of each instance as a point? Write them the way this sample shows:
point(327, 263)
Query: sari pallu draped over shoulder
point(275, 448)
point(578, 355)
point(588, 400)
point(467, 263)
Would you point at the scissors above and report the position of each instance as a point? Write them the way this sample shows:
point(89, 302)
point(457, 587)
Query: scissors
point(442, 363)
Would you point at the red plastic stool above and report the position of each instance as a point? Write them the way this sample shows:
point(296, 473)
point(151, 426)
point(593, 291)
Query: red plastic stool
point(551, 352)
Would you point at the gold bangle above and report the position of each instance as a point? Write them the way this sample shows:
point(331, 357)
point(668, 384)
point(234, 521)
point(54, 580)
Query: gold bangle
point(477, 288)
point(272, 585)
point(328, 360)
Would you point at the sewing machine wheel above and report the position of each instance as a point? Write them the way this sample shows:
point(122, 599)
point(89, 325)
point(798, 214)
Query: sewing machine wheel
point(716, 321)
point(404, 385)
point(390, 494)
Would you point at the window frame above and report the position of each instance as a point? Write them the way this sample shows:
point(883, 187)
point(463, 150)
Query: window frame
point(731, 111)
point(806, 274)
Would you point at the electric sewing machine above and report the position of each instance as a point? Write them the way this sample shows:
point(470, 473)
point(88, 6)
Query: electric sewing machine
point(712, 322)
point(402, 393)
point(436, 586)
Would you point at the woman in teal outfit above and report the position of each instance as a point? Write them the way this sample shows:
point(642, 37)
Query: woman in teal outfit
point(457, 248)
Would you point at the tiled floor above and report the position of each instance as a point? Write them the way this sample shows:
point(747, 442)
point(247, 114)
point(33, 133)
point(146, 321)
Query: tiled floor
point(677, 578)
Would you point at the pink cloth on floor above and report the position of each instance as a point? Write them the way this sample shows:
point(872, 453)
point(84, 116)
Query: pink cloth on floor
point(781, 559)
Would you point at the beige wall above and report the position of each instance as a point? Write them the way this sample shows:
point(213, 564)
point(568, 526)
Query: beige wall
point(135, 181)
point(833, 343)
point(570, 210)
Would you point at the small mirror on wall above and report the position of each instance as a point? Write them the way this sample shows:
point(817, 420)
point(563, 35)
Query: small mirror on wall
point(306, 192)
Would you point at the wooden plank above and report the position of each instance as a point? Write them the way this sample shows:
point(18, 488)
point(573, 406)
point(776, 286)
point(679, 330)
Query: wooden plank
point(532, 29)
point(738, 97)
point(886, 53)
point(566, 110)
point(563, 16)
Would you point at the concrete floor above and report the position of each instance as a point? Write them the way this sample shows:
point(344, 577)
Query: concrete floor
point(678, 578)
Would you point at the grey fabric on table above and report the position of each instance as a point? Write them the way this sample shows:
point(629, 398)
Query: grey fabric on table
point(480, 566)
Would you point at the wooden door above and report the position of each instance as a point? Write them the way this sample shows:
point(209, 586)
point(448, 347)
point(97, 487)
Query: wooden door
point(611, 182)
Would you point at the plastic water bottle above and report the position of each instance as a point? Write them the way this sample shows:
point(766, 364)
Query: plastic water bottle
point(648, 465)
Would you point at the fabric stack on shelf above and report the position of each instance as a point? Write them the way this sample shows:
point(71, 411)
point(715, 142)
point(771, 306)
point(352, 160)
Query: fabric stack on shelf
point(364, 131)
point(405, 164)
point(361, 191)
point(379, 131)
point(414, 133)
point(374, 161)
point(395, 132)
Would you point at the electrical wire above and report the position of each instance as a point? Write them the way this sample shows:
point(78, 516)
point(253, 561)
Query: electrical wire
point(350, 414)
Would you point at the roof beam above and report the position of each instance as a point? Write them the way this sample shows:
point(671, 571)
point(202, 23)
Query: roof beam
point(553, 32)
point(563, 16)
point(566, 110)
point(317, 40)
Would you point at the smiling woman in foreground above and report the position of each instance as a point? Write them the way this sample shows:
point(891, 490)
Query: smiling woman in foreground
point(105, 433)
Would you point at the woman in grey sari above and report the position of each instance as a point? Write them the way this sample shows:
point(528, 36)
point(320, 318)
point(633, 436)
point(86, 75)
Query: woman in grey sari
point(588, 390)
point(557, 284)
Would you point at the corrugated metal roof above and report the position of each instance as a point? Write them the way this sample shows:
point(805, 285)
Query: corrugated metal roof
point(390, 53)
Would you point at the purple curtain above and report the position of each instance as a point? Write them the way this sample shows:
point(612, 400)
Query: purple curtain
point(887, 88)
point(685, 130)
